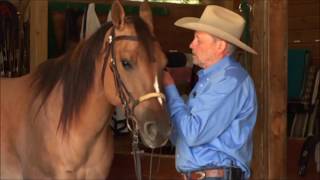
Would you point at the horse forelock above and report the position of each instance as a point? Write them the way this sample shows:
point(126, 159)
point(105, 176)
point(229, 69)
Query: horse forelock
point(145, 36)
point(75, 72)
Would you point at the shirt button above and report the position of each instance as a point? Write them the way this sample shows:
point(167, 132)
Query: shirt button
point(178, 155)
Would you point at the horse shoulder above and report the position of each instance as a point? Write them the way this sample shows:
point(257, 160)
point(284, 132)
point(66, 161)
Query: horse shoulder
point(13, 111)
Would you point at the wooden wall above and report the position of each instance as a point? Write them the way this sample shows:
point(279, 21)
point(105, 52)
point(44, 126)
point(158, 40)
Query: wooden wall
point(303, 32)
point(172, 37)
point(304, 26)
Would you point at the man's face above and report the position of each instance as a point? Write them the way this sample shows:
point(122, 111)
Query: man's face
point(203, 48)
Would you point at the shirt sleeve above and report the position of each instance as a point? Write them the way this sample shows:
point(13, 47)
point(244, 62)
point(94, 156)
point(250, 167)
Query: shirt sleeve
point(173, 96)
point(207, 115)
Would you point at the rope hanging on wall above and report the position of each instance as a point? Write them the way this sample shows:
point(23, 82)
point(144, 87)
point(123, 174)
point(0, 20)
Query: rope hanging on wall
point(245, 8)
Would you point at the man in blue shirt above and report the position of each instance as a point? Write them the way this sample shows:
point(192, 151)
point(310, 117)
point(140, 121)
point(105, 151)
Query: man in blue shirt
point(212, 131)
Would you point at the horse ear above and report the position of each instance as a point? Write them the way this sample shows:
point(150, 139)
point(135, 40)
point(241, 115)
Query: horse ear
point(117, 14)
point(146, 14)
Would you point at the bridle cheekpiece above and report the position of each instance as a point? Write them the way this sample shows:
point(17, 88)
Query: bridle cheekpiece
point(127, 100)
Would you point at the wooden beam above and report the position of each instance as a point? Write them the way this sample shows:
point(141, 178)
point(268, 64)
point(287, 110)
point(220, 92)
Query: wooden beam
point(38, 14)
point(270, 76)
point(277, 90)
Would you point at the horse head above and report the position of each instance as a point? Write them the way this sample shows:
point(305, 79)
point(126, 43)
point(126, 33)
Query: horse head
point(132, 71)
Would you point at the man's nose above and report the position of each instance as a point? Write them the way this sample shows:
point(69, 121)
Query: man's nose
point(191, 44)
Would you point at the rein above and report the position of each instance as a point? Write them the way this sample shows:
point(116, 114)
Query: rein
point(127, 100)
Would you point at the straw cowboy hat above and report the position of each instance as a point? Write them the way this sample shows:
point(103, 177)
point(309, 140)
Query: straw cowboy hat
point(219, 22)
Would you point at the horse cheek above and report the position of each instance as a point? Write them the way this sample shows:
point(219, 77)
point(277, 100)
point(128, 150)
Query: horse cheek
point(110, 89)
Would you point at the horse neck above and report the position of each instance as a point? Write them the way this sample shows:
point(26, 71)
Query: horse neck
point(96, 111)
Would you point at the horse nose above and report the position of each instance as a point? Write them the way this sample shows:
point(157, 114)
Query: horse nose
point(151, 130)
point(156, 130)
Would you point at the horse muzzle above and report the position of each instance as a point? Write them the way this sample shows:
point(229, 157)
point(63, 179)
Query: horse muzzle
point(155, 128)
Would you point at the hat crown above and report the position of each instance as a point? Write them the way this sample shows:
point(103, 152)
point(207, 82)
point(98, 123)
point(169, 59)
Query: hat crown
point(220, 22)
point(223, 19)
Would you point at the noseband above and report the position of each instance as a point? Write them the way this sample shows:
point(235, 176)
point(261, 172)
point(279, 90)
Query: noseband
point(127, 100)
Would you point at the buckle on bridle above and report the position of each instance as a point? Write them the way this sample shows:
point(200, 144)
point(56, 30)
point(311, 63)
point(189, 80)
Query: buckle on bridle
point(110, 39)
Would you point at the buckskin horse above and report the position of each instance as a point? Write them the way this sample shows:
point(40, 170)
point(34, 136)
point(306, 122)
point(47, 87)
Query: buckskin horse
point(54, 121)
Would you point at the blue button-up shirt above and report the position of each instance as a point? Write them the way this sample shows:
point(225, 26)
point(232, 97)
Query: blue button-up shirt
point(214, 127)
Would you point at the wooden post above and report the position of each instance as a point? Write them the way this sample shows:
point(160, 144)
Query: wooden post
point(270, 76)
point(278, 59)
point(38, 14)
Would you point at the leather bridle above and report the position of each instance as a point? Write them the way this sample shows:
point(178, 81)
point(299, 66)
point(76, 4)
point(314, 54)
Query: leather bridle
point(127, 100)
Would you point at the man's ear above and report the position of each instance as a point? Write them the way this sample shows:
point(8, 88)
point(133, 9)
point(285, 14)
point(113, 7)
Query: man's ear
point(117, 15)
point(146, 14)
point(222, 46)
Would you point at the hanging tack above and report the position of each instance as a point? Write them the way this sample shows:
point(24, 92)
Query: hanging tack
point(241, 8)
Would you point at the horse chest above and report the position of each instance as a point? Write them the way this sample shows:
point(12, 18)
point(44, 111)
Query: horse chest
point(91, 162)
point(70, 160)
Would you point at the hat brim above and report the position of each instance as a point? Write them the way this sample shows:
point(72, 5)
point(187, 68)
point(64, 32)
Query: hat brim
point(193, 23)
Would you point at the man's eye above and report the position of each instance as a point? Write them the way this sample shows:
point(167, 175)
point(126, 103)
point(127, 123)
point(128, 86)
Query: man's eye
point(126, 64)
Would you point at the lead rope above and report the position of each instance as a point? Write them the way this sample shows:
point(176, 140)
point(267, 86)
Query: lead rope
point(136, 155)
point(150, 165)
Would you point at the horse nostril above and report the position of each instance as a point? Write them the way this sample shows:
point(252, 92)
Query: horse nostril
point(151, 129)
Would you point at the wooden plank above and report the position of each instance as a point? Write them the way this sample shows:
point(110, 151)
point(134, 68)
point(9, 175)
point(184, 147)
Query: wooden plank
point(38, 32)
point(304, 36)
point(304, 26)
point(290, 2)
point(304, 9)
point(259, 164)
point(307, 22)
point(277, 90)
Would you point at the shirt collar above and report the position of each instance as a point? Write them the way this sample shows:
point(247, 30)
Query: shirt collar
point(221, 64)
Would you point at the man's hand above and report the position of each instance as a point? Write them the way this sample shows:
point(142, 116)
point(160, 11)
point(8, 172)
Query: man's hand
point(167, 78)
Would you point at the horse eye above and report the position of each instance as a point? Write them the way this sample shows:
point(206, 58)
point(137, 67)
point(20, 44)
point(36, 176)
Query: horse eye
point(126, 64)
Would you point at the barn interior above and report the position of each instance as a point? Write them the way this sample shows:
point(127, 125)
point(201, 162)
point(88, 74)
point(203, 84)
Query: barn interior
point(286, 73)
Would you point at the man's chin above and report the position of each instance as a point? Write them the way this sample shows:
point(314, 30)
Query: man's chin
point(196, 61)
